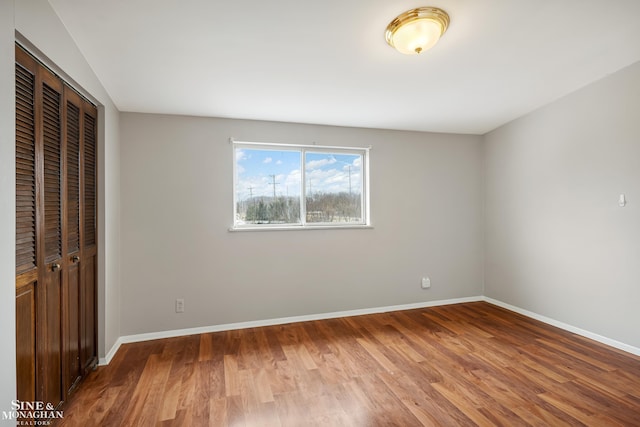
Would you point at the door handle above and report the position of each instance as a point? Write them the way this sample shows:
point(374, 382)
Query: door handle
point(75, 258)
point(55, 267)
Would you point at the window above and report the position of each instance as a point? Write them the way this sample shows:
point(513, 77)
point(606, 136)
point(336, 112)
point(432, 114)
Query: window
point(294, 186)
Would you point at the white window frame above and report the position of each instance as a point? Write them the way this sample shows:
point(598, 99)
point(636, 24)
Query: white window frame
point(304, 149)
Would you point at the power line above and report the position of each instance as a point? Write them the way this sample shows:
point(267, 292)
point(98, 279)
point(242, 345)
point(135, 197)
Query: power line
point(274, 183)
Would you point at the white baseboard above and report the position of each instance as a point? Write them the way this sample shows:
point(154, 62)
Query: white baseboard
point(107, 358)
point(271, 322)
point(336, 314)
point(604, 340)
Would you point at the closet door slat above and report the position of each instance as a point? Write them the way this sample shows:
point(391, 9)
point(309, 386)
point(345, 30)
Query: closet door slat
point(52, 133)
point(25, 171)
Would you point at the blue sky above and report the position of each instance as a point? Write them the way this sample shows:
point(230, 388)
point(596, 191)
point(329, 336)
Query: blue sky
point(325, 172)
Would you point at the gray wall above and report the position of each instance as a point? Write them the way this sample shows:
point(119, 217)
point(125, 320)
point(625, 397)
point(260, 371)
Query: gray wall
point(7, 209)
point(557, 243)
point(426, 203)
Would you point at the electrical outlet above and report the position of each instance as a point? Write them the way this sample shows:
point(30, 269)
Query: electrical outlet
point(426, 283)
point(180, 305)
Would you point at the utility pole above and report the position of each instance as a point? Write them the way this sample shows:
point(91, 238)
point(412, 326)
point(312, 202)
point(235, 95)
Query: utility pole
point(274, 183)
point(251, 192)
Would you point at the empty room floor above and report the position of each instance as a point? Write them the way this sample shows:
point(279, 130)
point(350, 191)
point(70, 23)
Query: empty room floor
point(462, 364)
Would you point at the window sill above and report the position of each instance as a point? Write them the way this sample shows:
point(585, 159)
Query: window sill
point(302, 227)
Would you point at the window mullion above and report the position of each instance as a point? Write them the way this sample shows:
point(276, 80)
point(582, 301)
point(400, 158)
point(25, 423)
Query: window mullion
point(364, 201)
point(303, 190)
point(235, 183)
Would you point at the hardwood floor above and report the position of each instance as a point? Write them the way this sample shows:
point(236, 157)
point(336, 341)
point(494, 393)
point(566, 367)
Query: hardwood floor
point(464, 364)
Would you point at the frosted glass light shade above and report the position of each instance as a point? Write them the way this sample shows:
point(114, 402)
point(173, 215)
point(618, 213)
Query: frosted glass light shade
point(417, 30)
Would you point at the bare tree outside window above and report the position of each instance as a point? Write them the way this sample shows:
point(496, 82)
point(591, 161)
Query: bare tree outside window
point(337, 196)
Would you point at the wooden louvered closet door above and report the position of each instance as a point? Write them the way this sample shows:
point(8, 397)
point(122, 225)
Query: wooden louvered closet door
point(51, 267)
point(27, 222)
point(55, 234)
point(72, 122)
point(88, 304)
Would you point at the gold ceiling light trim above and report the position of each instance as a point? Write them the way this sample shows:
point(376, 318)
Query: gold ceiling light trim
point(417, 30)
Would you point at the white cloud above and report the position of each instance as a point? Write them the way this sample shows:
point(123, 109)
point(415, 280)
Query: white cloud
point(291, 184)
point(267, 160)
point(333, 180)
point(316, 164)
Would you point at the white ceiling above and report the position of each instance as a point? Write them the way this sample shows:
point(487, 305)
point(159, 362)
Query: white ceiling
point(326, 62)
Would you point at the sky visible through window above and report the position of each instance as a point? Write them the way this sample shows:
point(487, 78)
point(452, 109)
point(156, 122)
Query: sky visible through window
point(269, 173)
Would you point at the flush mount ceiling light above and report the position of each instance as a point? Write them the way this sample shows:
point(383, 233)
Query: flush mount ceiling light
point(417, 30)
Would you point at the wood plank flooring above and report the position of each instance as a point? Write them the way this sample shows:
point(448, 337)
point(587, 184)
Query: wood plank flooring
point(457, 365)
